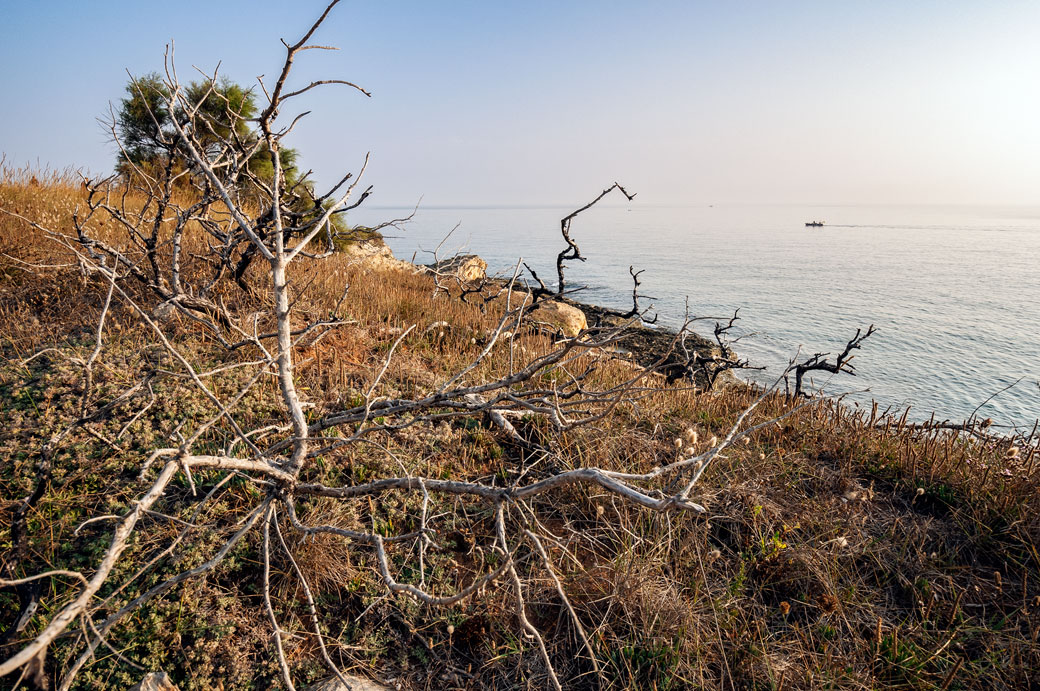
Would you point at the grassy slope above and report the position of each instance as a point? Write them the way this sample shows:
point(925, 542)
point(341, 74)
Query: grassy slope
point(836, 553)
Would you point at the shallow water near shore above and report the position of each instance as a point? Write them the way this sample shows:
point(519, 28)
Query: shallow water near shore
point(953, 291)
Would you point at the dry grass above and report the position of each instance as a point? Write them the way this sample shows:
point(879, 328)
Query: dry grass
point(839, 551)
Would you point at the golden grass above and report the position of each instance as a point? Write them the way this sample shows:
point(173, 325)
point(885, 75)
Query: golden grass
point(839, 551)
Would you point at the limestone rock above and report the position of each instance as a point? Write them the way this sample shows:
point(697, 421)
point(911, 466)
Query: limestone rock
point(155, 681)
point(468, 268)
point(374, 254)
point(570, 320)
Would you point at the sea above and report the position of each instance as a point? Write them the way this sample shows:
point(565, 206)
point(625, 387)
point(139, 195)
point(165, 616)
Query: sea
point(953, 291)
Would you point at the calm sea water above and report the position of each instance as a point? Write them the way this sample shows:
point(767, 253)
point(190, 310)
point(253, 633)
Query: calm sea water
point(953, 291)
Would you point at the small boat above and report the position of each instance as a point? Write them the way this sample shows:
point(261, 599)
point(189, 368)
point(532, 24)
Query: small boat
point(814, 224)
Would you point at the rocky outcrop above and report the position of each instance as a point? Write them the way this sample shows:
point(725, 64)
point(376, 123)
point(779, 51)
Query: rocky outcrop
point(376, 255)
point(568, 319)
point(468, 268)
point(657, 348)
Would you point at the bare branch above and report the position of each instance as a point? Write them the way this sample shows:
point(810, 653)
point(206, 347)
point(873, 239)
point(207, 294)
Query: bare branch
point(572, 252)
point(843, 363)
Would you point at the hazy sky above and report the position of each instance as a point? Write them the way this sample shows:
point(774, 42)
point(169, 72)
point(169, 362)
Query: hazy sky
point(532, 102)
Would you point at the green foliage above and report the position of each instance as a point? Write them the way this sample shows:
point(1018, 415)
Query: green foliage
point(645, 664)
point(143, 120)
point(147, 127)
point(223, 111)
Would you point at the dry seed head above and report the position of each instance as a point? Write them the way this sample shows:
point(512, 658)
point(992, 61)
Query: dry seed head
point(451, 629)
point(713, 555)
point(713, 442)
point(678, 443)
point(691, 435)
point(599, 509)
point(761, 457)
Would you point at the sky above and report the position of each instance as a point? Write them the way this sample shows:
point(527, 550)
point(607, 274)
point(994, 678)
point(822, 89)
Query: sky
point(543, 103)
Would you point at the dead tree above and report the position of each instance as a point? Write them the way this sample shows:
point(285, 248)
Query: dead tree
point(708, 365)
point(723, 358)
point(183, 254)
point(539, 291)
point(843, 363)
point(635, 297)
point(572, 251)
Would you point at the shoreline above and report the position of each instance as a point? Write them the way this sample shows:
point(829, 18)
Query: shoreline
point(649, 346)
point(656, 348)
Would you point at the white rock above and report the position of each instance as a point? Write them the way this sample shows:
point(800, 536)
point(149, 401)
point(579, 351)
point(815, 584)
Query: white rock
point(468, 268)
point(570, 320)
point(376, 255)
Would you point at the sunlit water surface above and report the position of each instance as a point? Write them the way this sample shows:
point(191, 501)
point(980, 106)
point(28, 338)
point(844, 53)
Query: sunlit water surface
point(953, 291)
